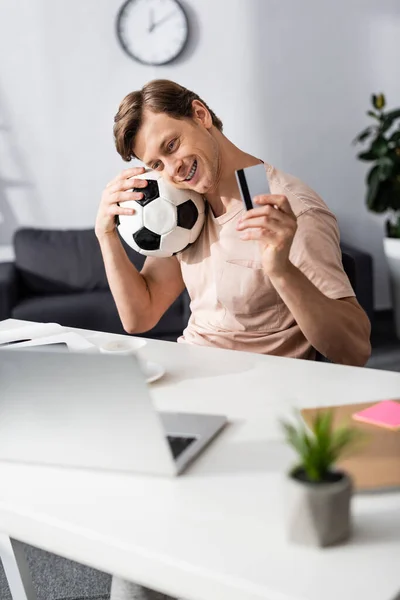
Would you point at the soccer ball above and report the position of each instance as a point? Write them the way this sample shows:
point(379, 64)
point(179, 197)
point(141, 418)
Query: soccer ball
point(166, 220)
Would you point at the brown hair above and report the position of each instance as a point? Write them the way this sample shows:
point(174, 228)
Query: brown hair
point(159, 95)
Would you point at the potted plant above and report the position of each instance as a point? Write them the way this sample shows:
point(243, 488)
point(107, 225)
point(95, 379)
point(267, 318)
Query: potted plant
point(318, 499)
point(383, 184)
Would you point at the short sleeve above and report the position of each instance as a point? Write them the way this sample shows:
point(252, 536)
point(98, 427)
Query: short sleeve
point(316, 252)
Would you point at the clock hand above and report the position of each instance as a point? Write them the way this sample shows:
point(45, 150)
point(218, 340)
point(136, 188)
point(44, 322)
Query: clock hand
point(163, 19)
point(152, 23)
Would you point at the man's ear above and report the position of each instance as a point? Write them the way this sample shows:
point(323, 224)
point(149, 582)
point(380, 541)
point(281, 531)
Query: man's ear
point(201, 114)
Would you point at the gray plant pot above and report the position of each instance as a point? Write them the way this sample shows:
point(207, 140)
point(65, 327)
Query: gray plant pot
point(318, 514)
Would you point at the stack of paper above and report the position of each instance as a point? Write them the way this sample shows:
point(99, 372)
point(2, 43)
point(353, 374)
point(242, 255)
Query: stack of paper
point(39, 334)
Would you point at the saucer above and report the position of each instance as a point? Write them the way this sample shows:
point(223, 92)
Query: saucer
point(122, 346)
point(151, 370)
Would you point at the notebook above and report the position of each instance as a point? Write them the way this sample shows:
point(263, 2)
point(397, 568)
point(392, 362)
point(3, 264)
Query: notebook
point(383, 414)
point(375, 464)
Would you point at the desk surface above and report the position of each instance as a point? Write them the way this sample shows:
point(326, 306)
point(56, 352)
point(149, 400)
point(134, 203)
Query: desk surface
point(216, 533)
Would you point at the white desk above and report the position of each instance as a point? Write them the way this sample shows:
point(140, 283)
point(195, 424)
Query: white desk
point(216, 533)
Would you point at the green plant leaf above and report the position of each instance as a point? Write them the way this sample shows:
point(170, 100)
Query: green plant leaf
point(371, 113)
point(379, 146)
point(395, 137)
point(385, 125)
point(388, 197)
point(319, 448)
point(295, 438)
point(373, 100)
point(393, 114)
point(344, 439)
point(363, 135)
point(385, 167)
point(373, 187)
point(367, 156)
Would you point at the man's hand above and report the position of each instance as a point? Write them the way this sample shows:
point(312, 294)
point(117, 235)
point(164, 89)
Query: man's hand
point(115, 192)
point(274, 225)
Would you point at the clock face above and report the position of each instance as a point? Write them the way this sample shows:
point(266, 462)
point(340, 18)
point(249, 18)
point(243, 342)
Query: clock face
point(154, 32)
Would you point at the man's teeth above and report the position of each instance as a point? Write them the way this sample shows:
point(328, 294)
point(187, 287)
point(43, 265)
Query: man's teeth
point(192, 171)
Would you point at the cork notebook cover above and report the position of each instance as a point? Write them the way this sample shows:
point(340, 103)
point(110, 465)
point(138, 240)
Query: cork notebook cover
point(375, 464)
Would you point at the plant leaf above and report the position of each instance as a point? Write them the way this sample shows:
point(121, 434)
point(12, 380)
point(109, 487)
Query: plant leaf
point(385, 165)
point(393, 114)
point(379, 146)
point(319, 448)
point(363, 135)
point(343, 438)
point(371, 113)
point(395, 137)
point(367, 156)
point(373, 187)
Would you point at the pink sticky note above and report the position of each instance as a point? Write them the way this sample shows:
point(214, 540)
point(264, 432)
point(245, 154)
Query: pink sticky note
point(383, 414)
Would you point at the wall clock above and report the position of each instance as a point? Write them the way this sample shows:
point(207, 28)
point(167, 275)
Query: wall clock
point(153, 32)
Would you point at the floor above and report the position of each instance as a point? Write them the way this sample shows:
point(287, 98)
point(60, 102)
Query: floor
point(385, 344)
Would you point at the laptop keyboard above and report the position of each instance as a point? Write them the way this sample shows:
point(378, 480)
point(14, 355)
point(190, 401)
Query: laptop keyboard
point(179, 444)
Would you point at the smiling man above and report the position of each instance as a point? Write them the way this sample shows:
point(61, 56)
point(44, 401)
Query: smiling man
point(266, 280)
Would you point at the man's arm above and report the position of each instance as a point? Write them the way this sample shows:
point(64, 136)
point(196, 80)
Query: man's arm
point(338, 329)
point(141, 298)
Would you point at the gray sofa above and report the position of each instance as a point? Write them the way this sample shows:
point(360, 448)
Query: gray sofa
point(59, 276)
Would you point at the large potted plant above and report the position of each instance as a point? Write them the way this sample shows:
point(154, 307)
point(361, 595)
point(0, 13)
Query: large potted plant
point(383, 184)
point(318, 495)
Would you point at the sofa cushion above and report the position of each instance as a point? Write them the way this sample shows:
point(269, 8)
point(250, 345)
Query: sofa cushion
point(62, 261)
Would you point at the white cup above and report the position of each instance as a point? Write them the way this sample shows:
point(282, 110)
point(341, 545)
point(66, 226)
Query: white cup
point(128, 346)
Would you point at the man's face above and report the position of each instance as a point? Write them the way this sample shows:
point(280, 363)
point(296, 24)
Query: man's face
point(184, 150)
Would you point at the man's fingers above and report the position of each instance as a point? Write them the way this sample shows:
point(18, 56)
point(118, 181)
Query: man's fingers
point(262, 222)
point(125, 196)
point(115, 209)
point(275, 200)
point(134, 183)
point(268, 213)
point(260, 234)
point(127, 184)
point(126, 173)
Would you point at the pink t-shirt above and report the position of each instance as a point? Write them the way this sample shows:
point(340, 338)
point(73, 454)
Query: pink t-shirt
point(233, 302)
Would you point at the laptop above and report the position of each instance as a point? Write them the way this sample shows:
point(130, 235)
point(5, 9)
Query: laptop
point(92, 411)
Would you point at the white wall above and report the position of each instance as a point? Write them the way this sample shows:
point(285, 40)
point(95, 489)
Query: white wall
point(291, 81)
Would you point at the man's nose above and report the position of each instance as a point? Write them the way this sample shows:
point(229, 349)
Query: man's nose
point(174, 169)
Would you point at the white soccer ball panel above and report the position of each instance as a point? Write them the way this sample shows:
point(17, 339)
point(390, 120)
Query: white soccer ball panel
point(196, 229)
point(167, 190)
point(127, 236)
point(159, 216)
point(158, 253)
point(135, 221)
point(176, 195)
point(175, 241)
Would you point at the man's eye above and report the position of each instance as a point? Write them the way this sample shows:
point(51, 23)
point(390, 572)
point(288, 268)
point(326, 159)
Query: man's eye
point(171, 145)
